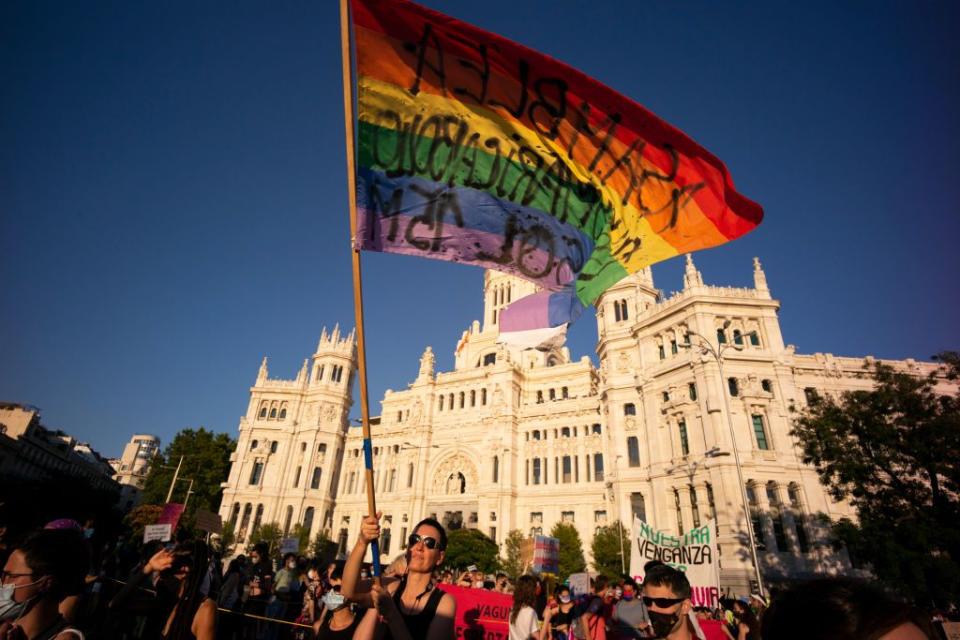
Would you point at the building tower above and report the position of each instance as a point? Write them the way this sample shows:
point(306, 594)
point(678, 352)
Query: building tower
point(286, 463)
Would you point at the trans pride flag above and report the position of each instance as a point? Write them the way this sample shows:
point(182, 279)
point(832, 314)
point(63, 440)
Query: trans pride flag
point(475, 149)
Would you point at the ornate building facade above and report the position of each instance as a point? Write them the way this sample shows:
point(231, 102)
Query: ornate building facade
point(522, 439)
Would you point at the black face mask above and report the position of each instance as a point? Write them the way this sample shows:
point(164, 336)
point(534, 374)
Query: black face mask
point(663, 623)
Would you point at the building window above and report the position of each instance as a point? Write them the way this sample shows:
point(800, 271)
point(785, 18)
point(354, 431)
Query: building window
point(319, 376)
point(322, 449)
point(461, 399)
point(811, 395)
point(567, 516)
point(536, 435)
point(779, 535)
point(441, 403)
point(483, 396)
point(567, 469)
point(661, 352)
point(600, 517)
point(676, 504)
point(283, 413)
point(692, 391)
point(666, 396)
point(684, 441)
point(694, 507)
point(273, 447)
point(303, 447)
point(793, 494)
point(496, 468)
point(253, 444)
point(597, 429)
point(553, 394)
point(565, 432)
point(737, 337)
point(629, 409)
point(638, 506)
point(536, 471)
point(539, 397)
point(673, 347)
point(760, 433)
point(733, 387)
point(315, 479)
point(288, 520)
point(409, 475)
point(256, 473)
point(258, 517)
point(802, 541)
point(721, 337)
point(392, 486)
point(473, 398)
point(633, 451)
point(754, 339)
point(263, 412)
point(536, 517)
point(564, 393)
point(598, 467)
point(767, 386)
point(490, 358)
point(273, 413)
point(296, 477)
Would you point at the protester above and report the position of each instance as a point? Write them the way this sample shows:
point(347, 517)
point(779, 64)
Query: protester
point(562, 615)
point(312, 598)
point(629, 618)
point(590, 623)
point(411, 606)
point(286, 601)
point(842, 608)
point(229, 596)
point(178, 607)
point(666, 594)
point(712, 627)
point(524, 623)
point(747, 625)
point(40, 572)
point(446, 577)
point(339, 621)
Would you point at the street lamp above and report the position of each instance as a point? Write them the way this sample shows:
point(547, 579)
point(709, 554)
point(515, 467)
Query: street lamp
point(706, 348)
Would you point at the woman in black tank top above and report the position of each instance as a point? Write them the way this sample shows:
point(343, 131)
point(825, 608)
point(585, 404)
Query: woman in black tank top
point(412, 608)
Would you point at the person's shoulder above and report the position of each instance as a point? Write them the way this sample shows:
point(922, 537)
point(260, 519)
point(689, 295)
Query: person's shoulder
point(447, 604)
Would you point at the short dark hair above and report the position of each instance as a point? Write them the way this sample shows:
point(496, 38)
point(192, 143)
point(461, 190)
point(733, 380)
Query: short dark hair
point(666, 576)
point(600, 582)
point(431, 522)
point(651, 564)
point(61, 554)
point(289, 555)
point(262, 549)
point(845, 608)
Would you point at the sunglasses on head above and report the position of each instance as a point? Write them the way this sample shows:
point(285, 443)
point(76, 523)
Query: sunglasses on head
point(662, 603)
point(428, 542)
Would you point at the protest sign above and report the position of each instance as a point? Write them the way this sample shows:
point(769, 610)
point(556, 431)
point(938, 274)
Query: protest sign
point(160, 532)
point(695, 553)
point(481, 614)
point(209, 521)
point(546, 554)
point(951, 630)
point(579, 584)
point(289, 545)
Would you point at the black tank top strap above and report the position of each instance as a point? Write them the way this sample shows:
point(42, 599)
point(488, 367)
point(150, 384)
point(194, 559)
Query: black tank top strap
point(418, 623)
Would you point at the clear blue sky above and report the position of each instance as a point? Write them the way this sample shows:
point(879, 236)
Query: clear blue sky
point(173, 201)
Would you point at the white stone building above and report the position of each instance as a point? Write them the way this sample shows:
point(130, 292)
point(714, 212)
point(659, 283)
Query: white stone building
point(523, 439)
point(133, 465)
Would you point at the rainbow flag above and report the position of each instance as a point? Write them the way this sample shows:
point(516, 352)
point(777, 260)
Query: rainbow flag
point(472, 148)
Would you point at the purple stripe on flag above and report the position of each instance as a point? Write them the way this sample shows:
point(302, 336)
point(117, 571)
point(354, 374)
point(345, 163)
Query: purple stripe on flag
point(413, 216)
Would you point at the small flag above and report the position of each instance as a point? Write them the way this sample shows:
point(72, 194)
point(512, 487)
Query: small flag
point(475, 149)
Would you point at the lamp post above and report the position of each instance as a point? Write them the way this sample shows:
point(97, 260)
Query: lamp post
point(706, 348)
point(174, 481)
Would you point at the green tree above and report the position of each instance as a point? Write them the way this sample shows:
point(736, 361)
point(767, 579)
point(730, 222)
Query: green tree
point(228, 538)
point(571, 550)
point(206, 461)
point(606, 545)
point(512, 563)
point(323, 548)
point(139, 517)
point(270, 533)
point(894, 453)
point(471, 546)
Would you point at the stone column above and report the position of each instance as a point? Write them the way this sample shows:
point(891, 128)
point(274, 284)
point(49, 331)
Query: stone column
point(685, 510)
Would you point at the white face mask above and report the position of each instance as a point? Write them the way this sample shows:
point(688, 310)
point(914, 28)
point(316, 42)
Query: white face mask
point(333, 600)
point(9, 608)
point(291, 565)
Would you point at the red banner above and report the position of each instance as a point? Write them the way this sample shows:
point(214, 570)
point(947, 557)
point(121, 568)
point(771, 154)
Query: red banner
point(171, 515)
point(481, 614)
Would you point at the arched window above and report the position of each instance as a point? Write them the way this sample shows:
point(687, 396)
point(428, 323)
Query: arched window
point(263, 411)
point(254, 444)
point(273, 413)
point(441, 403)
point(692, 390)
point(684, 441)
point(258, 517)
point(489, 359)
point(598, 467)
point(308, 518)
point(623, 310)
point(315, 479)
point(737, 337)
point(273, 446)
point(539, 397)
point(461, 399)
point(496, 468)
point(319, 376)
point(633, 451)
point(733, 386)
point(234, 514)
point(721, 336)
point(760, 432)
point(483, 396)
point(473, 398)
point(288, 520)
point(694, 507)
point(450, 400)
point(283, 413)
point(766, 385)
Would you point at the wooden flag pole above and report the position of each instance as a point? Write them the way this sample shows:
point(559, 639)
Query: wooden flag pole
point(357, 280)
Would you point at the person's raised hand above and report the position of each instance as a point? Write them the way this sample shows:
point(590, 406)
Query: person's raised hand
point(381, 600)
point(161, 560)
point(370, 528)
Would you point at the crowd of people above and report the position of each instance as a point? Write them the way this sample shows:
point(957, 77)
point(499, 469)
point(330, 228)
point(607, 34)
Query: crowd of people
point(57, 585)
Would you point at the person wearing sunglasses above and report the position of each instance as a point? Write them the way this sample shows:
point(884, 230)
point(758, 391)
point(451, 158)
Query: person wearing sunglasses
point(666, 594)
point(410, 606)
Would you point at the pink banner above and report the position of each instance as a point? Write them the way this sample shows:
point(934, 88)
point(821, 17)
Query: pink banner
point(171, 515)
point(481, 614)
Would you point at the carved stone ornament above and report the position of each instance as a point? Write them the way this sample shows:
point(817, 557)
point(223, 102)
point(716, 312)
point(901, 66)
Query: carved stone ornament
point(630, 424)
point(455, 475)
point(623, 361)
point(417, 412)
point(329, 412)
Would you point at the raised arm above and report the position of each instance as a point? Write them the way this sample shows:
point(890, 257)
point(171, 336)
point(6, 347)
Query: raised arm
point(351, 587)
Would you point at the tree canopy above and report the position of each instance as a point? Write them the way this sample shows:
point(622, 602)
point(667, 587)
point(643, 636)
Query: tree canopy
point(470, 546)
point(512, 562)
point(894, 453)
point(606, 545)
point(206, 461)
point(571, 550)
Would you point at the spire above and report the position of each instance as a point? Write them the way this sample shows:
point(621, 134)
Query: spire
point(262, 374)
point(691, 277)
point(302, 375)
point(335, 336)
point(759, 277)
point(427, 361)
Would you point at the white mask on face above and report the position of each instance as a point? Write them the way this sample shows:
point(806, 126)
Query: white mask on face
point(9, 608)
